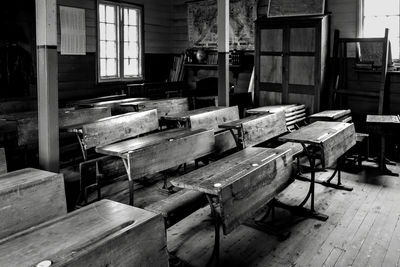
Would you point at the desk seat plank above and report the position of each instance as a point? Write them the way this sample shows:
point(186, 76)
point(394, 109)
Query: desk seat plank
point(105, 233)
point(334, 138)
point(211, 120)
point(29, 197)
point(161, 151)
point(120, 127)
point(244, 182)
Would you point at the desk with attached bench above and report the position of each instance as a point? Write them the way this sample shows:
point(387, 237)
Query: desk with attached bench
point(329, 141)
point(239, 185)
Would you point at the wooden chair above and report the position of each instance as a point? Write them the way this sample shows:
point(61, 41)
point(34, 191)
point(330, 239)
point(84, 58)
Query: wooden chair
point(340, 85)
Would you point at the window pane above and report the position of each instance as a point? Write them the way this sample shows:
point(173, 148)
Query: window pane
point(102, 67)
point(375, 26)
point(395, 45)
point(102, 13)
point(111, 32)
point(131, 67)
point(102, 31)
point(132, 17)
point(111, 50)
point(110, 14)
point(102, 49)
point(386, 7)
point(111, 67)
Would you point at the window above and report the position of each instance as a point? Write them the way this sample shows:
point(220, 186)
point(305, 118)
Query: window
point(120, 44)
point(378, 15)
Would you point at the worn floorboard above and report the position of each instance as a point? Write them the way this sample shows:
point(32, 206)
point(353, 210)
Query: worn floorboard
point(363, 228)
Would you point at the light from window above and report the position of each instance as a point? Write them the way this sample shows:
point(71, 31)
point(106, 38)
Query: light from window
point(379, 15)
point(120, 56)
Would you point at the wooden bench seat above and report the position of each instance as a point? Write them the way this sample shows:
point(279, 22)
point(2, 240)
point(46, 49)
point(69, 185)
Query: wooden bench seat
point(105, 233)
point(29, 197)
point(178, 206)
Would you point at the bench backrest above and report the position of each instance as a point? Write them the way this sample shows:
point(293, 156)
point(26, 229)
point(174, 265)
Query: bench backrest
point(3, 162)
point(27, 122)
point(166, 106)
point(213, 118)
point(120, 127)
point(29, 197)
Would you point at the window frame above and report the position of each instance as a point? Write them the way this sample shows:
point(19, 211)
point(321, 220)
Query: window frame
point(120, 42)
point(360, 26)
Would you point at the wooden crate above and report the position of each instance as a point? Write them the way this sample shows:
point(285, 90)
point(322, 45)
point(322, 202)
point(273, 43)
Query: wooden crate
point(29, 197)
point(105, 233)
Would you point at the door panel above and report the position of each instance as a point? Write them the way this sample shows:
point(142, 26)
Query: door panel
point(301, 70)
point(302, 40)
point(271, 69)
point(271, 40)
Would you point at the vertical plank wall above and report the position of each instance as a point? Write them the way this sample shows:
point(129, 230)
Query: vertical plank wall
point(77, 74)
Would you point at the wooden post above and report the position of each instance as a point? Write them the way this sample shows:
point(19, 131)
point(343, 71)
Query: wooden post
point(223, 52)
point(47, 83)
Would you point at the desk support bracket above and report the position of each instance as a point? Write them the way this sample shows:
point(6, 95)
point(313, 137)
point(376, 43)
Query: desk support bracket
point(217, 225)
point(127, 164)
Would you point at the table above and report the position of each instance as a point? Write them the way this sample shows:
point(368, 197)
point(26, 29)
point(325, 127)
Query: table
point(331, 140)
point(238, 185)
point(160, 151)
point(383, 125)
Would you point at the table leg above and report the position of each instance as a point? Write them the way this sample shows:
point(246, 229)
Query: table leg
point(217, 225)
point(82, 146)
point(301, 210)
point(339, 184)
point(130, 181)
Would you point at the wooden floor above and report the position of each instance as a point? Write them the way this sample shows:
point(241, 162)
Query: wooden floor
point(363, 228)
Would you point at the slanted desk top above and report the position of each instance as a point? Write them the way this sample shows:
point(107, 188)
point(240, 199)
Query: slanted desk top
point(122, 148)
point(89, 236)
point(276, 108)
point(383, 119)
point(315, 133)
point(331, 114)
point(335, 138)
point(217, 176)
point(112, 102)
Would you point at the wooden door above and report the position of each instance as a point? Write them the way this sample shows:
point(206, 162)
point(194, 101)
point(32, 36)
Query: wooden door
point(271, 66)
point(301, 70)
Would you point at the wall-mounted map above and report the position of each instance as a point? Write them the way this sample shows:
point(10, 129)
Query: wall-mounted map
point(202, 23)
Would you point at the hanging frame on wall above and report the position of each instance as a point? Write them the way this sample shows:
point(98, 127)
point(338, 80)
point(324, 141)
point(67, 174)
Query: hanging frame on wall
point(287, 8)
point(202, 23)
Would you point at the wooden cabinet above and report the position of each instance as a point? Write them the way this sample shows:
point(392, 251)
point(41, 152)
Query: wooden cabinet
point(290, 60)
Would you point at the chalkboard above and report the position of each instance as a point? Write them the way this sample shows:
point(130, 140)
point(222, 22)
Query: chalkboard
point(285, 8)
